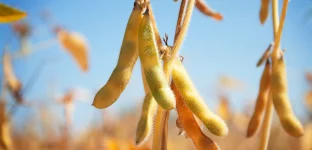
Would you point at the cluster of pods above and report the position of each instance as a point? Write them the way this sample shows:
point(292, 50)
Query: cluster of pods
point(273, 87)
point(273, 82)
point(140, 42)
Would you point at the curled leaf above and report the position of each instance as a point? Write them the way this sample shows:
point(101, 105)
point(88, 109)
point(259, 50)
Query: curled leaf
point(76, 45)
point(205, 9)
point(9, 14)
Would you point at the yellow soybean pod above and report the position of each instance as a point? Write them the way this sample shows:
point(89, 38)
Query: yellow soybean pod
point(281, 101)
point(145, 125)
point(195, 102)
point(128, 56)
point(153, 72)
point(262, 99)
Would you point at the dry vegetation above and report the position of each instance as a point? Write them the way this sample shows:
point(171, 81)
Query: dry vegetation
point(168, 90)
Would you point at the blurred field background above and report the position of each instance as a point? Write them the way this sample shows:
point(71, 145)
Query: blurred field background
point(219, 56)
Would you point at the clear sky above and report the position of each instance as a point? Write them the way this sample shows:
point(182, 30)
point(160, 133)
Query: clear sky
point(231, 47)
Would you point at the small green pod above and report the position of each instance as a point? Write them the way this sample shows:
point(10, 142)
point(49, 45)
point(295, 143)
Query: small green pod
point(195, 102)
point(281, 101)
point(128, 56)
point(145, 125)
point(155, 77)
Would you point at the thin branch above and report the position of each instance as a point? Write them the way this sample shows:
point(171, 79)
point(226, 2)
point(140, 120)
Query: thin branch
point(33, 78)
point(152, 17)
point(180, 18)
point(161, 124)
point(35, 48)
point(275, 54)
point(266, 127)
point(179, 41)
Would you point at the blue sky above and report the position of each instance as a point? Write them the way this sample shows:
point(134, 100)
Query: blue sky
point(231, 47)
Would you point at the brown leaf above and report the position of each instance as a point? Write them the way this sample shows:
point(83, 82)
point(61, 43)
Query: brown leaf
point(76, 45)
point(205, 9)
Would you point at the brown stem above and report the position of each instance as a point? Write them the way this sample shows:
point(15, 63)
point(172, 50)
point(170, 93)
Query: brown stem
point(264, 140)
point(277, 37)
point(157, 36)
point(161, 124)
point(265, 134)
point(178, 43)
point(180, 18)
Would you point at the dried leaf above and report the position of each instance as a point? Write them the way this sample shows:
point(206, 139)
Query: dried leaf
point(205, 9)
point(76, 45)
point(265, 56)
point(190, 125)
point(9, 14)
point(13, 83)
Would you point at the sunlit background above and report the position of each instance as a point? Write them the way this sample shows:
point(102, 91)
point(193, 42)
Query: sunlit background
point(212, 50)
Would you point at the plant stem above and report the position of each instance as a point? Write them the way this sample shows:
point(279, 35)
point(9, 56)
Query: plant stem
point(278, 35)
point(156, 32)
point(179, 40)
point(179, 22)
point(269, 109)
point(161, 124)
point(266, 127)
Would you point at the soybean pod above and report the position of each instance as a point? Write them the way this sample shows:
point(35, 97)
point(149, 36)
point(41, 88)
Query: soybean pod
point(146, 122)
point(262, 99)
point(188, 123)
point(281, 101)
point(128, 56)
point(195, 102)
point(145, 125)
point(153, 72)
